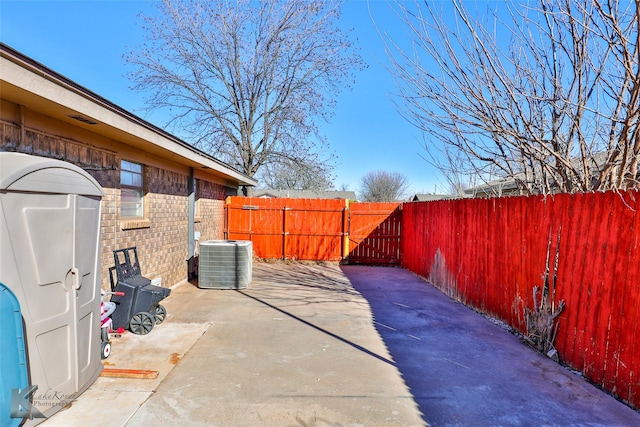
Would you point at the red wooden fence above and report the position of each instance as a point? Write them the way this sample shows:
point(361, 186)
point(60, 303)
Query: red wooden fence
point(303, 229)
point(317, 229)
point(490, 253)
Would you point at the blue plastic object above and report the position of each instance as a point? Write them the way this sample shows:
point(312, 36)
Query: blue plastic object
point(13, 362)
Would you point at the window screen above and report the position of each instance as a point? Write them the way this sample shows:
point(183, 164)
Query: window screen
point(131, 189)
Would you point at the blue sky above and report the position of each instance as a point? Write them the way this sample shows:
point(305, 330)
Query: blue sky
point(85, 40)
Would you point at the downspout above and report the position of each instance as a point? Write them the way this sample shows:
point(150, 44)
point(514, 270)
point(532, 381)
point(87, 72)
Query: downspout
point(191, 217)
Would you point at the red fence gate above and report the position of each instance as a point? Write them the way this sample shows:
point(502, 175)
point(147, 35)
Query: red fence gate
point(374, 233)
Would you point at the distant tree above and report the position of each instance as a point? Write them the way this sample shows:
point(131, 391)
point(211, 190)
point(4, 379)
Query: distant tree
point(296, 175)
point(383, 186)
point(544, 92)
point(246, 80)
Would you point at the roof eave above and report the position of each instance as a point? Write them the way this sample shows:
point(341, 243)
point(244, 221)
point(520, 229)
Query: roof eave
point(48, 86)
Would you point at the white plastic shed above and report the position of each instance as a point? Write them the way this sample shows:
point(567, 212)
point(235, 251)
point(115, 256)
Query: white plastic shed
point(49, 258)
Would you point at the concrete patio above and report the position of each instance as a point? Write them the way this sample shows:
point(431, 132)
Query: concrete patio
point(324, 345)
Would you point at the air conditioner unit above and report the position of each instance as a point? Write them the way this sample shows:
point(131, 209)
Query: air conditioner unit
point(225, 264)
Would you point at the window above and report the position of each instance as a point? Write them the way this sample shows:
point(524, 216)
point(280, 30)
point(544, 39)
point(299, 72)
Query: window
point(131, 189)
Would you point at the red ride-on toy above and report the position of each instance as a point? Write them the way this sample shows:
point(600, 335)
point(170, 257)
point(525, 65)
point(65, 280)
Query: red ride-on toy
point(106, 324)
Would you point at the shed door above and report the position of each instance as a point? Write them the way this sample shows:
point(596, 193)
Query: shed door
point(87, 243)
point(54, 239)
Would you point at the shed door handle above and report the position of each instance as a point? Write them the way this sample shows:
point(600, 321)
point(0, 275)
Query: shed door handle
point(76, 282)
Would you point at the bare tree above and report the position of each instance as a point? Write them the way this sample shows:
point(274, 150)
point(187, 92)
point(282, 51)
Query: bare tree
point(343, 187)
point(296, 175)
point(383, 186)
point(545, 95)
point(246, 80)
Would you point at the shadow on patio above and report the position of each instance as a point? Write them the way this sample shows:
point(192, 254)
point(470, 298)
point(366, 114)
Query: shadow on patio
point(463, 369)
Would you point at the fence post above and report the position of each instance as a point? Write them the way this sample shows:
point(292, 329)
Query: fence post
point(284, 232)
point(345, 230)
point(227, 207)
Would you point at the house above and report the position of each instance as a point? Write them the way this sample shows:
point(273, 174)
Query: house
point(304, 194)
point(161, 193)
point(513, 185)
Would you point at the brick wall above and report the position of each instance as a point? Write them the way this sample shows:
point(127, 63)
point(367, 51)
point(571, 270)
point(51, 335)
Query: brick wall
point(167, 237)
point(210, 218)
point(162, 237)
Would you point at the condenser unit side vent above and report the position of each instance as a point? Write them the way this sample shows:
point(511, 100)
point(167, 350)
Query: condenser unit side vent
point(225, 264)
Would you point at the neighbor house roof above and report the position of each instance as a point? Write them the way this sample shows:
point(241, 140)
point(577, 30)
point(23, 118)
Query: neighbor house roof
point(509, 185)
point(504, 186)
point(305, 194)
point(429, 197)
point(26, 82)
